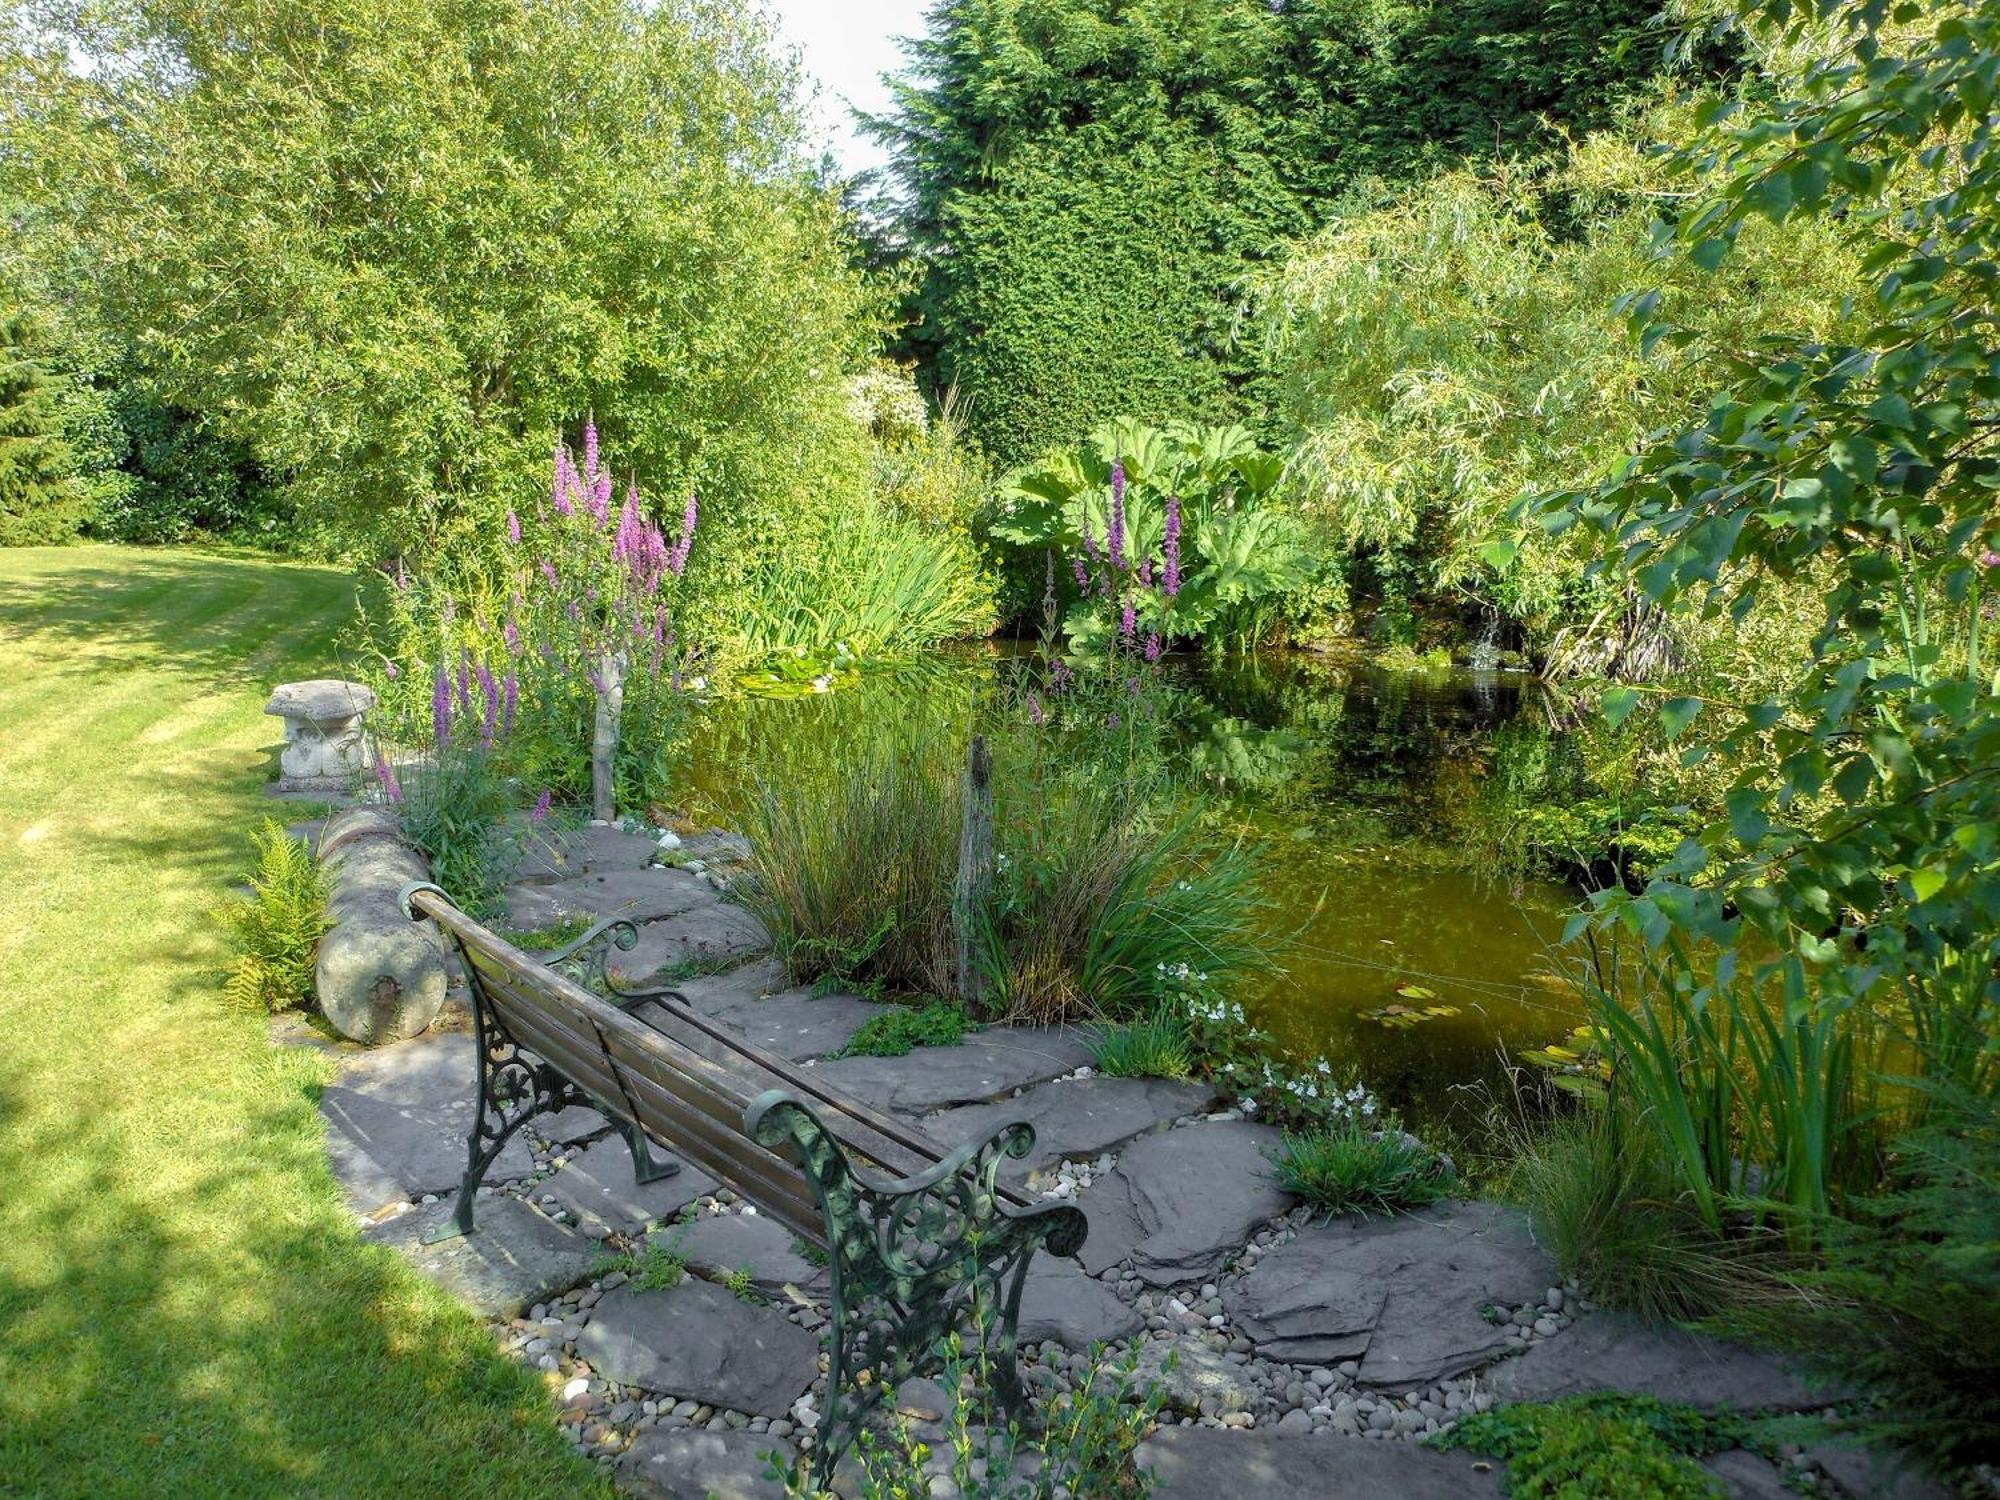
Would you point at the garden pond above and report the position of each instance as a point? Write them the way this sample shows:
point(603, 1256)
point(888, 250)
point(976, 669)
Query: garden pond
point(1411, 956)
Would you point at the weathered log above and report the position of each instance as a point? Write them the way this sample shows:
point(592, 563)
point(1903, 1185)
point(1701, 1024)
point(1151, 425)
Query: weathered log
point(380, 976)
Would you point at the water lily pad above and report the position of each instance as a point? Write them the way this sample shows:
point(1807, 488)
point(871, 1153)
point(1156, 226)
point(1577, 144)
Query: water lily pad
point(1415, 992)
point(1401, 1017)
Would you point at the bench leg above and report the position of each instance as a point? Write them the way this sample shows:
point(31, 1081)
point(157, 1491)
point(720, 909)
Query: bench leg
point(645, 1166)
point(506, 1076)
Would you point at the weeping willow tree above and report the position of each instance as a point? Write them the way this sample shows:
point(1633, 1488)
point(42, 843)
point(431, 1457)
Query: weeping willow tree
point(1441, 352)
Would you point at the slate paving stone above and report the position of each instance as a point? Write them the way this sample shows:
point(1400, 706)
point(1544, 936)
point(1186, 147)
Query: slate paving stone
point(1406, 1296)
point(560, 856)
point(1746, 1476)
point(753, 979)
point(1609, 1351)
point(514, 1257)
point(719, 1244)
point(569, 1126)
point(698, 1342)
point(598, 1187)
point(1868, 1474)
point(1060, 1302)
point(1202, 1463)
point(397, 1123)
point(1075, 1118)
point(983, 1067)
point(792, 1024)
point(647, 895)
point(1182, 1201)
point(704, 934)
point(664, 1464)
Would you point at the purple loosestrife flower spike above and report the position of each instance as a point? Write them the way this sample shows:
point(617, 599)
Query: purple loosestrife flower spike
point(1145, 572)
point(1171, 579)
point(600, 500)
point(559, 490)
point(1036, 716)
point(541, 807)
point(1128, 622)
point(677, 559)
point(549, 572)
point(1060, 676)
point(1153, 646)
point(386, 774)
point(590, 450)
point(1089, 543)
point(1114, 541)
point(513, 527)
point(464, 684)
point(510, 698)
point(393, 670)
point(490, 691)
point(1082, 575)
point(513, 634)
point(441, 709)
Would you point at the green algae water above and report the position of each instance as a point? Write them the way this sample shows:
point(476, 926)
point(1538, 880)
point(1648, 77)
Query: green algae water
point(1410, 956)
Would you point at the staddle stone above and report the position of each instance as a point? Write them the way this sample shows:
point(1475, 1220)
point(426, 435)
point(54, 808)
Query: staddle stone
point(325, 744)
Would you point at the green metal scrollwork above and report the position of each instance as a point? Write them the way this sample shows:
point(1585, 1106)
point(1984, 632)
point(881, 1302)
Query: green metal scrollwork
point(913, 1260)
point(586, 960)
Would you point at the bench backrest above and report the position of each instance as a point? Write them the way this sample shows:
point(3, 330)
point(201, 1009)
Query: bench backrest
point(676, 1075)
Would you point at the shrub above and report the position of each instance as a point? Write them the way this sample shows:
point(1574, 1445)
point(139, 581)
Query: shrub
point(1083, 1445)
point(1604, 1444)
point(852, 865)
point(1156, 1047)
point(276, 931)
point(40, 498)
point(894, 1033)
point(1093, 904)
point(1605, 1204)
point(452, 805)
point(1357, 1166)
point(1902, 1300)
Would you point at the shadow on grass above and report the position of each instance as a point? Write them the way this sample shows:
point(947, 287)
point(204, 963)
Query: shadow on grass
point(280, 1358)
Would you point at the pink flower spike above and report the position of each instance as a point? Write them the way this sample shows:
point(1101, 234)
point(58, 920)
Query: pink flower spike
point(386, 774)
point(541, 807)
point(394, 671)
point(513, 528)
point(559, 489)
point(590, 451)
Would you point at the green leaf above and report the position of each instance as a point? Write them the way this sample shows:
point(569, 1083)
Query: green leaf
point(1676, 714)
point(1927, 882)
point(1618, 703)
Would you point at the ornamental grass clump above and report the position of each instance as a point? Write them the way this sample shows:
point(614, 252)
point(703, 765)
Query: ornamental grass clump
point(276, 931)
point(1361, 1161)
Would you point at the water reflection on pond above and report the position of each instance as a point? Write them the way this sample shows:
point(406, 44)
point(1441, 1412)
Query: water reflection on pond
point(1362, 782)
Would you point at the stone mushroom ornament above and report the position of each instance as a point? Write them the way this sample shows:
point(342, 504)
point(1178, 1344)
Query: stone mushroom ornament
point(325, 735)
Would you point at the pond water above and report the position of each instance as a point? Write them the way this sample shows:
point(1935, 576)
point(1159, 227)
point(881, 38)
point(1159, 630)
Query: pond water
point(1367, 786)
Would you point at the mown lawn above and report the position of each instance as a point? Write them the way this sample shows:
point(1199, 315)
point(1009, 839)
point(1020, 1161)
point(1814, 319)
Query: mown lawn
point(185, 1310)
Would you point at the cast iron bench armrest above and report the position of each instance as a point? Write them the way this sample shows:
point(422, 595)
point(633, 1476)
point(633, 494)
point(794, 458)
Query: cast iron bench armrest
point(920, 1242)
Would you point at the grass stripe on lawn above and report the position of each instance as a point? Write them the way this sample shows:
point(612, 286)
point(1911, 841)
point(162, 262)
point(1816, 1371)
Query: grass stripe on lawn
point(185, 1308)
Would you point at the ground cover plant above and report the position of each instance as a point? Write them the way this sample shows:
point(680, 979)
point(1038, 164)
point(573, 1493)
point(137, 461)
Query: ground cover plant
point(1603, 1444)
point(184, 1302)
point(276, 929)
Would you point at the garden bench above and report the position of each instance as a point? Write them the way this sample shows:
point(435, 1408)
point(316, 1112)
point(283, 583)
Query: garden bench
point(921, 1243)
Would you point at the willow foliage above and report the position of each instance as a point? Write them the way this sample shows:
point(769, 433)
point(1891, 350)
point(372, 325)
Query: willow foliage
point(1440, 353)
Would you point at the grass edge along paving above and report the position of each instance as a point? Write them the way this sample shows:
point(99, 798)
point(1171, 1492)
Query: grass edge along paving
point(185, 1305)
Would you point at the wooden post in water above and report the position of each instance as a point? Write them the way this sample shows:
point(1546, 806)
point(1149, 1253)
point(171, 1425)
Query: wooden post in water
point(975, 871)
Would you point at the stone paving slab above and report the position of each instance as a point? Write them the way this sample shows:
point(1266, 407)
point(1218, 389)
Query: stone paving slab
point(1746, 1476)
point(1407, 1295)
point(985, 1066)
point(397, 1122)
point(1207, 1463)
point(663, 1464)
point(1610, 1351)
point(1060, 1302)
point(568, 1126)
point(719, 1244)
point(702, 935)
point(699, 1342)
point(1075, 1118)
point(547, 856)
point(753, 979)
point(646, 895)
point(599, 1188)
point(1180, 1202)
point(791, 1025)
point(514, 1257)
point(1869, 1474)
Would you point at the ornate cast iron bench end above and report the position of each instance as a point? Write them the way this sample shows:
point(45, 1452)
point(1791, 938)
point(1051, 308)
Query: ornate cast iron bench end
point(915, 1259)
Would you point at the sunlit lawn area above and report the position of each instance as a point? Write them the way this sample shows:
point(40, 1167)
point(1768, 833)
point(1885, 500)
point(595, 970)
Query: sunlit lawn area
point(185, 1308)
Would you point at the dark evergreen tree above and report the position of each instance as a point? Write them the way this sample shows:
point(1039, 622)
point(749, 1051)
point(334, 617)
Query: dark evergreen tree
point(40, 498)
point(1088, 185)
